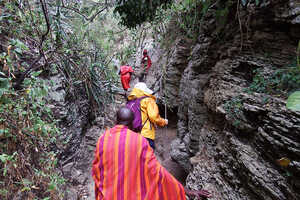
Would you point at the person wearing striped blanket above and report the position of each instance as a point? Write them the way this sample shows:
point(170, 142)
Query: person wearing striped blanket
point(125, 167)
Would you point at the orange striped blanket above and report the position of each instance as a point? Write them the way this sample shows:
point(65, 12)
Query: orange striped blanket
point(125, 168)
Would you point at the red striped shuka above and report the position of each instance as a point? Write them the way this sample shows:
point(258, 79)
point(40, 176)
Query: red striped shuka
point(125, 168)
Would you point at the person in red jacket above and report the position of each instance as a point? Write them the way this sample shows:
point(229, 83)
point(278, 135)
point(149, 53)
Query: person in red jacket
point(125, 72)
point(145, 64)
point(146, 61)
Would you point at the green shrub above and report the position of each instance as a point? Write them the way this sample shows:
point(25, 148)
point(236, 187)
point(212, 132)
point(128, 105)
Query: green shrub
point(233, 108)
point(27, 130)
point(280, 82)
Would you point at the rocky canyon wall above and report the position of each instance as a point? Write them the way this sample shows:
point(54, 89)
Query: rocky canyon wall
point(231, 129)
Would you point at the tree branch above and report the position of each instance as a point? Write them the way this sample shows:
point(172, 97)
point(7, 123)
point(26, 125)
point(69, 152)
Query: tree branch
point(45, 12)
point(97, 13)
point(20, 80)
point(85, 17)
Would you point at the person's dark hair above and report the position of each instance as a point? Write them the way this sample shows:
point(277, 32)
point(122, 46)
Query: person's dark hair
point(125, 116)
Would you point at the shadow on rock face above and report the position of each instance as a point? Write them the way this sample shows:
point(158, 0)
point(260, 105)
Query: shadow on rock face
point(164, 136)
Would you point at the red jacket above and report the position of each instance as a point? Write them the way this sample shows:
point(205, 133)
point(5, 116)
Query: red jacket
point(125, 76)
point(147, 58)
point(125, 69)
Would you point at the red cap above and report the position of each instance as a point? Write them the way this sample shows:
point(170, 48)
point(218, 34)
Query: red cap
point(145, 51)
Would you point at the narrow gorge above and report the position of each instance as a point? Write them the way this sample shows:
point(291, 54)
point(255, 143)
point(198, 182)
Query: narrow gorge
point(222, 71)
point(232, 125)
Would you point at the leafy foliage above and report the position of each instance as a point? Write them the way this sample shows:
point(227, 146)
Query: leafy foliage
point(293, 101)
point(28, 52)
point(188, 17)
point(280, 82)
point(134, 13)
point(101, 90)
point(233, 108)
point(27, 131)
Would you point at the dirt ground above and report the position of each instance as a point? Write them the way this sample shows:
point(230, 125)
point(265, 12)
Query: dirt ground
point(164, 137)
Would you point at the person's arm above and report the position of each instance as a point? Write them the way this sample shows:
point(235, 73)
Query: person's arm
point(169, 184)
point(130, 70)
point(153, 113)
point(161, 181)
point(95, 166)
point(199, 193)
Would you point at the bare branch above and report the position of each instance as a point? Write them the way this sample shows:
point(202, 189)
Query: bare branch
point(45, 12)
point(32, 67)
point(120, 31)
point(109, 61)
point(97, 13)
point(85, 17)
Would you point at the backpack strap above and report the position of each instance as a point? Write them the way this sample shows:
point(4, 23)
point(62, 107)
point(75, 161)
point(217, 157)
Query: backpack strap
point(145, 122)
point(144, 112)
